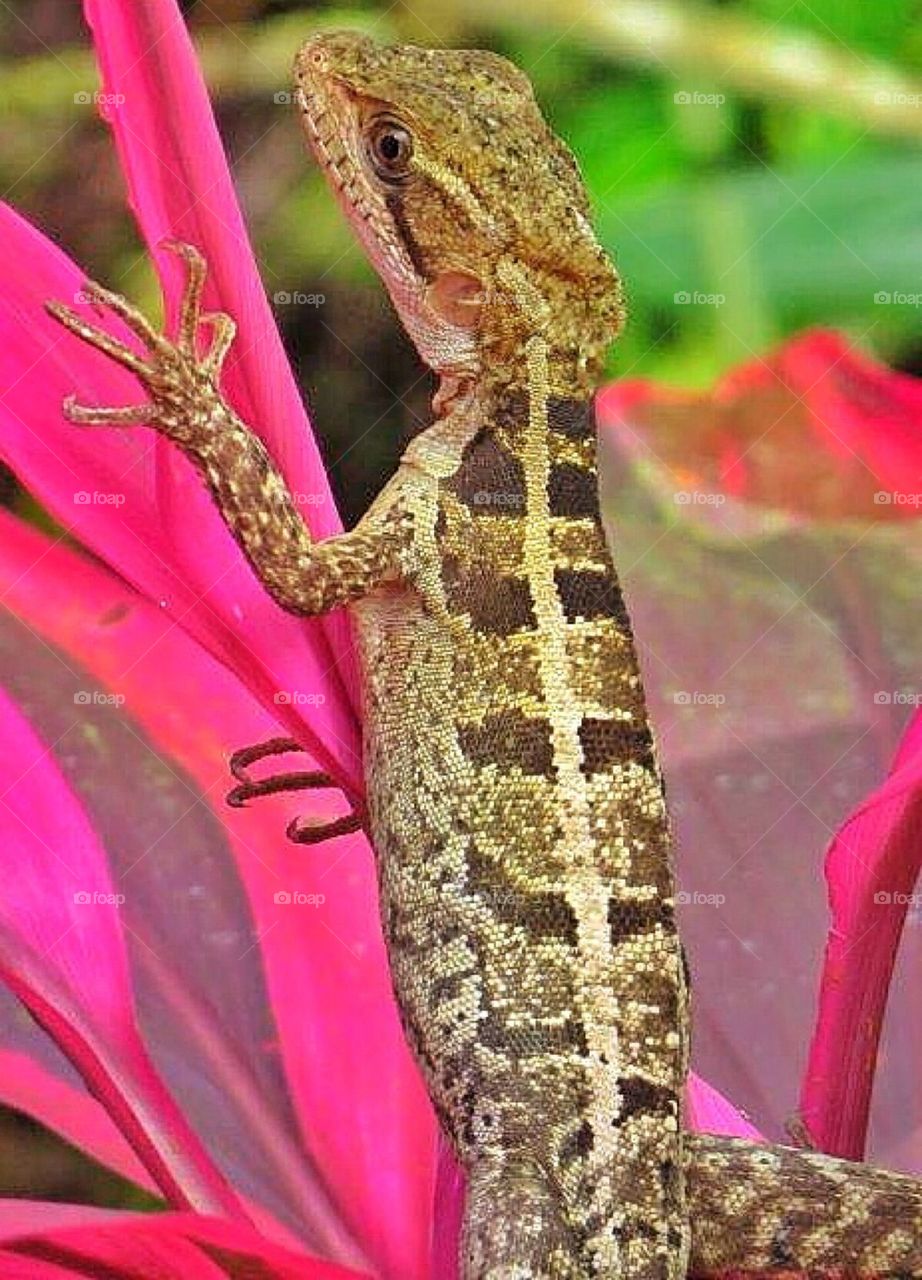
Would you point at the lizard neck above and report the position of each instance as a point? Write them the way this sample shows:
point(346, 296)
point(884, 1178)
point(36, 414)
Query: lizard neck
point(565, 432)
point(500, 393)
point(571, 373)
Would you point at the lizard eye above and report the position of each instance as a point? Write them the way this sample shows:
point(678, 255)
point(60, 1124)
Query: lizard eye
point(390, 147)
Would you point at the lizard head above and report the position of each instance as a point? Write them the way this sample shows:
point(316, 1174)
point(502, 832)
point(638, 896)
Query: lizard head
point(471, 210)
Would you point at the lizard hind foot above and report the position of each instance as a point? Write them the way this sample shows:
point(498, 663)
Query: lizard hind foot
point(515, 1226)
point(301, 831)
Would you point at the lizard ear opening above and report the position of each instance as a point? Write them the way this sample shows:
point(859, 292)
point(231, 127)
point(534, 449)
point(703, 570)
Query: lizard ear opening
point(457, 298)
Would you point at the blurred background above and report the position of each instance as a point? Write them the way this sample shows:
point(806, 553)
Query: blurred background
point(754, 166)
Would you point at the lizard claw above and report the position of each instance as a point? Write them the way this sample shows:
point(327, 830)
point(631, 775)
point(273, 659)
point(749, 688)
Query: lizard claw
point(308, 832)
point(190, 309)
point(85, 415)
point(248, 788)
point(178, 379)
point(95, 336)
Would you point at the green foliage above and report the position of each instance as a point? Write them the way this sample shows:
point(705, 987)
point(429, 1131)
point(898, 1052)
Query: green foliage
point(768, 199)
point(782, 213)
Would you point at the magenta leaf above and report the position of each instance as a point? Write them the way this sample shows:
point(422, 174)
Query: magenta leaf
point(61, 953)
point(171, 1246)
point(258, 968)
point(872, 868)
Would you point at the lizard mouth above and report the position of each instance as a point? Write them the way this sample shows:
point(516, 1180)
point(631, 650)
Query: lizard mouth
point(328, 149)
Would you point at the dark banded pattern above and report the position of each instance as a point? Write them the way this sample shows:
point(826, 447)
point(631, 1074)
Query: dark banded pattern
point(509, 740)
point(629, 919)
point(642, 1097)
point(497, 606)
point(589, 593)
point(614, 742)
point(490, 480)
point(573, 491)
point(540, 915)
point(572, 418)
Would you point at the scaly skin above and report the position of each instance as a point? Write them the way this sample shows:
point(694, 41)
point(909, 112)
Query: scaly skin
point(515, 805)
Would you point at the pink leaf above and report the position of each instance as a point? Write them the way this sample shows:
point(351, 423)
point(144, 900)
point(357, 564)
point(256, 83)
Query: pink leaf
point(816, 428)
point(871, 869)
point(45, 1091)
point(179, 186)
point(61, 953)
point(172, 1246)
point(708, 1111)
point(138, 503)
point(229, 980)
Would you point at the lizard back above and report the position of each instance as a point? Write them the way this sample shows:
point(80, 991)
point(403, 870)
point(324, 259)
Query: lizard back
point(519, 823)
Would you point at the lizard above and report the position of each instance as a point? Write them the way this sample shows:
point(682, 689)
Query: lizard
point(515, 802)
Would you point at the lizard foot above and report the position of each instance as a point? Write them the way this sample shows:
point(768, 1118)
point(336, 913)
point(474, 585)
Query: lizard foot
point(248, 788)
point(181, 382)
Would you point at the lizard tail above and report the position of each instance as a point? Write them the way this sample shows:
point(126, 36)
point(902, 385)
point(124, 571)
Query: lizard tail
point(516, 1225)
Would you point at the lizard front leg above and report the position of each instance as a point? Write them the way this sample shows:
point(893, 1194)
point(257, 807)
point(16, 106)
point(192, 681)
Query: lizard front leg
point(187, 407)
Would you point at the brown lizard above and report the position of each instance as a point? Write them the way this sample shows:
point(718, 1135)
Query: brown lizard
point(515, 803)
